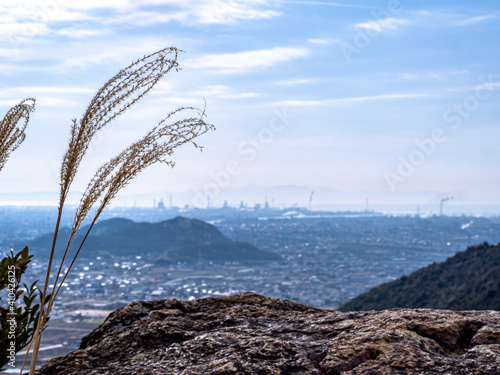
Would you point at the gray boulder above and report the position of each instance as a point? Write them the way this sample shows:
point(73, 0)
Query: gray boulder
point(253, 334)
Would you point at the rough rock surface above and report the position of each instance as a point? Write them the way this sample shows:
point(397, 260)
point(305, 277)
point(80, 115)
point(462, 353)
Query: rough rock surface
point(253, 334)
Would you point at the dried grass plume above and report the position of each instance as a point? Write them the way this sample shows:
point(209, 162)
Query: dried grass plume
point(12, 128)
point(157, 146)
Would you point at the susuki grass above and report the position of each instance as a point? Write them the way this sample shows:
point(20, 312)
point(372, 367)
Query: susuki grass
point(12, 134)
point(157, 146)
point(17, 321)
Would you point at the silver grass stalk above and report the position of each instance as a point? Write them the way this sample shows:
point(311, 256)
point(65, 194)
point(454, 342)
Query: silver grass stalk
point(156, 147)
point(12, 128)
point(115, 97)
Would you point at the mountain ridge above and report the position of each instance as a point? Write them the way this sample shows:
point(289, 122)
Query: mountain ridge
point(468, 280)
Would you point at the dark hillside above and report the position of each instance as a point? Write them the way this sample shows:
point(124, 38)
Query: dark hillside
point(170, 241)
point(469, 280)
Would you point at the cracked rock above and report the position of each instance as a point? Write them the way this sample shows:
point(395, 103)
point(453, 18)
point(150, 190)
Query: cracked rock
point(252, 334)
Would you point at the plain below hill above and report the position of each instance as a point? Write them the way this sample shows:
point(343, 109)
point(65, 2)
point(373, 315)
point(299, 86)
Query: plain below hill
point(170, 241)
point(469, 280)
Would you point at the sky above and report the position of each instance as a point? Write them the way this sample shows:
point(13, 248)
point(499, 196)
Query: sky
point(386, 97)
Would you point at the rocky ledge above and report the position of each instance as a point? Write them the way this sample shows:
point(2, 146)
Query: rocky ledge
point(252, 334)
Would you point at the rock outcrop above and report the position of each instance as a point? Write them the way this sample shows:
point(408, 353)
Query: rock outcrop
point(253, 334)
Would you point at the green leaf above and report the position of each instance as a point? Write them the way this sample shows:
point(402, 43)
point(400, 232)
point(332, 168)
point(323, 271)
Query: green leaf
point(24, 253)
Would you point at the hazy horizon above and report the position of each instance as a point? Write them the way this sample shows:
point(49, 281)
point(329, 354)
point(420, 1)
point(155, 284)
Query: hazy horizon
point(425, 204)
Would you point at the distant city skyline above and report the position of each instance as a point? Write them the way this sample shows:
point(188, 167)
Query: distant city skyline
point(374, 99)
point(424, 204)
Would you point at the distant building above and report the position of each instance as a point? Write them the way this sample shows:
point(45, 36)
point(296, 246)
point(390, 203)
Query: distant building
point(161, 205)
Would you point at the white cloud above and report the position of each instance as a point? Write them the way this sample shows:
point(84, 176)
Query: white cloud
point(45, 96)
point(8, 103)
point(244, 95)
point(212, 91)
point(438, 75)
point(147, 18)
point(197, 11)
point(453, 19)
point(295, 81)
point(22, 29)
point(80, 33)
point(383, 24)
point(301, 103)
point(23, 20)
point(232, 63)
point(39, 12)
point(317, 41)
point(223, 11)
point(118, 5)
point(30, 18)
point(182, 100)
point(475, 20)
point(222, 91)
point(433, 76)
point(50, 90)
point(47, 101)
point(103, 53)
point(324, 41)
point(331, 4)
point(193, 12)
point(493, 86)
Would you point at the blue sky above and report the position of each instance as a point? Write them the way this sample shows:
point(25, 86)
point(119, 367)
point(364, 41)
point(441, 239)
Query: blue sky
point(377, 96)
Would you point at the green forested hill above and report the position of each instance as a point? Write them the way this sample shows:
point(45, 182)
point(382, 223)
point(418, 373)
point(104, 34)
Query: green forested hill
point(469, 280)
point(170, 241)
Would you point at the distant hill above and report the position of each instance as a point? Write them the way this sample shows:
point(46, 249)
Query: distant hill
point(469, 280)
point(170, 241)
